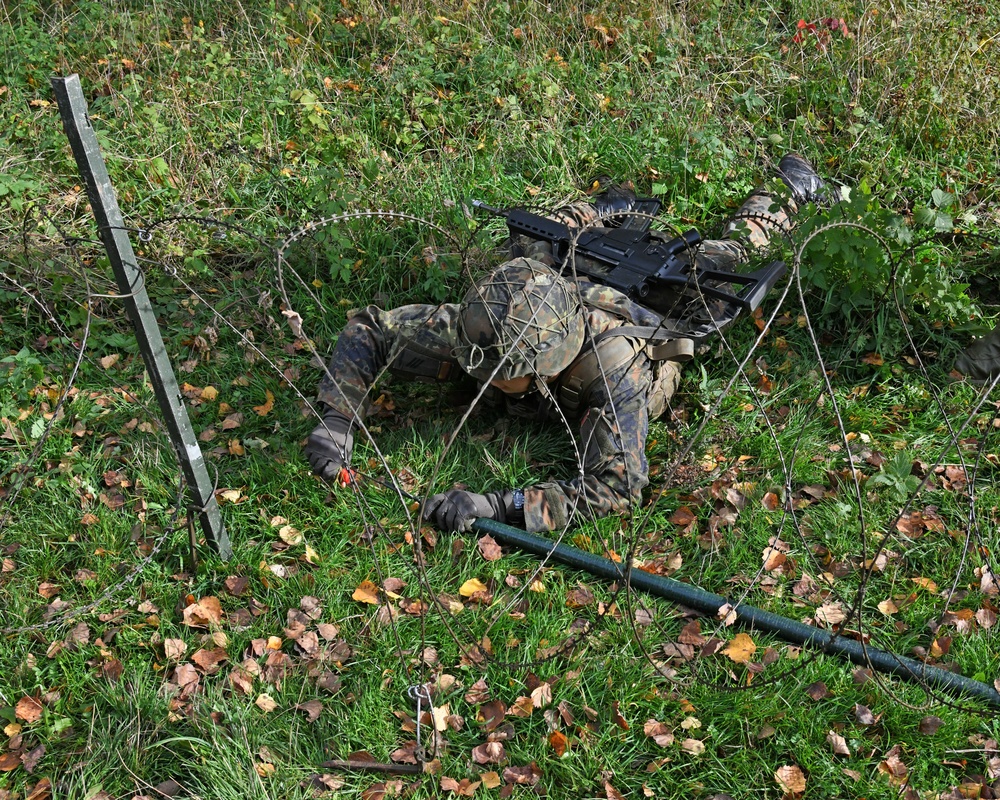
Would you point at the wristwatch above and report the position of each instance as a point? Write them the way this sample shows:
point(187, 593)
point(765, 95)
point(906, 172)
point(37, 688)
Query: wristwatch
point(517, 505)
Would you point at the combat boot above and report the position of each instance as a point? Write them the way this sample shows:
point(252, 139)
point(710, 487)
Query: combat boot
point(799, 176)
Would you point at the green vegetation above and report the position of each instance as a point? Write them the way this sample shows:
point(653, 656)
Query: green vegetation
point(126, 666)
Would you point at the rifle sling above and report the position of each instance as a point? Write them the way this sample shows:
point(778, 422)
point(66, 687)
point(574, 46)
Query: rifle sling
point(661, 345)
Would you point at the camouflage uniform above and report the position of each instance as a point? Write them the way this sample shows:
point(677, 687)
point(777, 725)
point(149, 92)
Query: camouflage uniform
point(611, 415)
point(418, 342)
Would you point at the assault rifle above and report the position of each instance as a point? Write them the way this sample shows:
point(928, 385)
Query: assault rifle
point(662, 274)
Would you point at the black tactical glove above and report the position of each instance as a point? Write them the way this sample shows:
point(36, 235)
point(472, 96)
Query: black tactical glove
point(329, 446)
point(456, 510)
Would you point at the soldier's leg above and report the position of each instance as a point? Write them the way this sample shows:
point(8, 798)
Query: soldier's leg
point(666, 378)
point(761, 219)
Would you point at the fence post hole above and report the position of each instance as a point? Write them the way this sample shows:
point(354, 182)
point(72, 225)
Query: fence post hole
point(131, 284)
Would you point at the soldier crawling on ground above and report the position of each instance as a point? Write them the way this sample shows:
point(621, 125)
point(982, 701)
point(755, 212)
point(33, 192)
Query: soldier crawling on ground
point(546, 343)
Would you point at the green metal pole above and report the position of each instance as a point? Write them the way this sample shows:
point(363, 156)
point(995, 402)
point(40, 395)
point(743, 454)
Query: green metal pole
point(131, 284)
point(750, 616)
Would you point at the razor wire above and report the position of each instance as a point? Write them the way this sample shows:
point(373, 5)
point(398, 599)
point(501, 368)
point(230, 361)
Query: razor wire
point(639, 522)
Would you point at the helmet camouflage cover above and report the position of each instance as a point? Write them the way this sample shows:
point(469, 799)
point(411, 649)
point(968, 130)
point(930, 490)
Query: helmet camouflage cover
point(521, 319)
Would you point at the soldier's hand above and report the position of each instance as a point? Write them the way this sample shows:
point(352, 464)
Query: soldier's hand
point(456, 510)
point(329, 446)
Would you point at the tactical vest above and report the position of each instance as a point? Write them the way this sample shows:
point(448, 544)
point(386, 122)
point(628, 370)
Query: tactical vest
point(610, 350)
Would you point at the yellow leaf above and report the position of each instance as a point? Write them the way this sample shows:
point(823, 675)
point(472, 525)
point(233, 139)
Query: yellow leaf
point(740, 648)
point(367, 592)
point(290, 535)
point(471, 586)
point(265, 409)
point(925, 583)
point(209, 393)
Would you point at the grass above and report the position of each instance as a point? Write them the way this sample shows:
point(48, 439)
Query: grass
point(267, 117)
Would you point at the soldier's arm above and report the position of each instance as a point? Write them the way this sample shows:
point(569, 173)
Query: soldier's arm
point(612, 441)
point(414, 340)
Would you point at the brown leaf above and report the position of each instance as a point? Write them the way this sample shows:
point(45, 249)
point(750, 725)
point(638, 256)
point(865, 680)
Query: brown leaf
point(541, 695)
point(611, 793)
point(693, 746)
point(863, 715)
point(489, 548)
point(174, 649)
point(207, 611)
point(581, 597)
point(771, 501)
point(9, 761)
point(818, 690)
point(209, 660)
point(236, 585)
point(617, 718)
point(831, 613)
point(41, 791)
point(926, 583)
point(489, 753)
point(683, 516)
point(838, 744)
point(893, 767)
point(559, 742)
point(48, 590)
point(659, 732)
point(929, 725)
point(522, 707)
point(463, 788)
point(407, 754)
point(491, 714)
point(265, 409)
point(29, 709)
point(526, 776)
point(790, 779)
point(740, 649)
point(32, 757)
point(479, 692)
point(691, 634)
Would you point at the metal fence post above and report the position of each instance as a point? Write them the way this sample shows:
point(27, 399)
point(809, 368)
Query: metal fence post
point(131, 284)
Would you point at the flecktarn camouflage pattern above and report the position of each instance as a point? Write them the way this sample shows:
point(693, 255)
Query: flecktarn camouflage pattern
point(521, 319)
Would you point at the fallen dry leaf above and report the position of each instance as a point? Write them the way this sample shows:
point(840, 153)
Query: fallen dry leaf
point(489, 753)
point(265, 703)
point(693, 746)
point(265, 409)
point(740, 649)
point(367, 592)
point(838, 744)
point(659, 732)
point(790, 779)
point(488, 548)
point(559, 742)
point(207, 611)
point(893, 767)
point(174, 649)
point(928, 725)
point(28, 709)
point(471, 586)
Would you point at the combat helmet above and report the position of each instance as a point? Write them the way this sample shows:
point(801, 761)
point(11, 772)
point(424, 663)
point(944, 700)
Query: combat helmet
point(523, 318)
